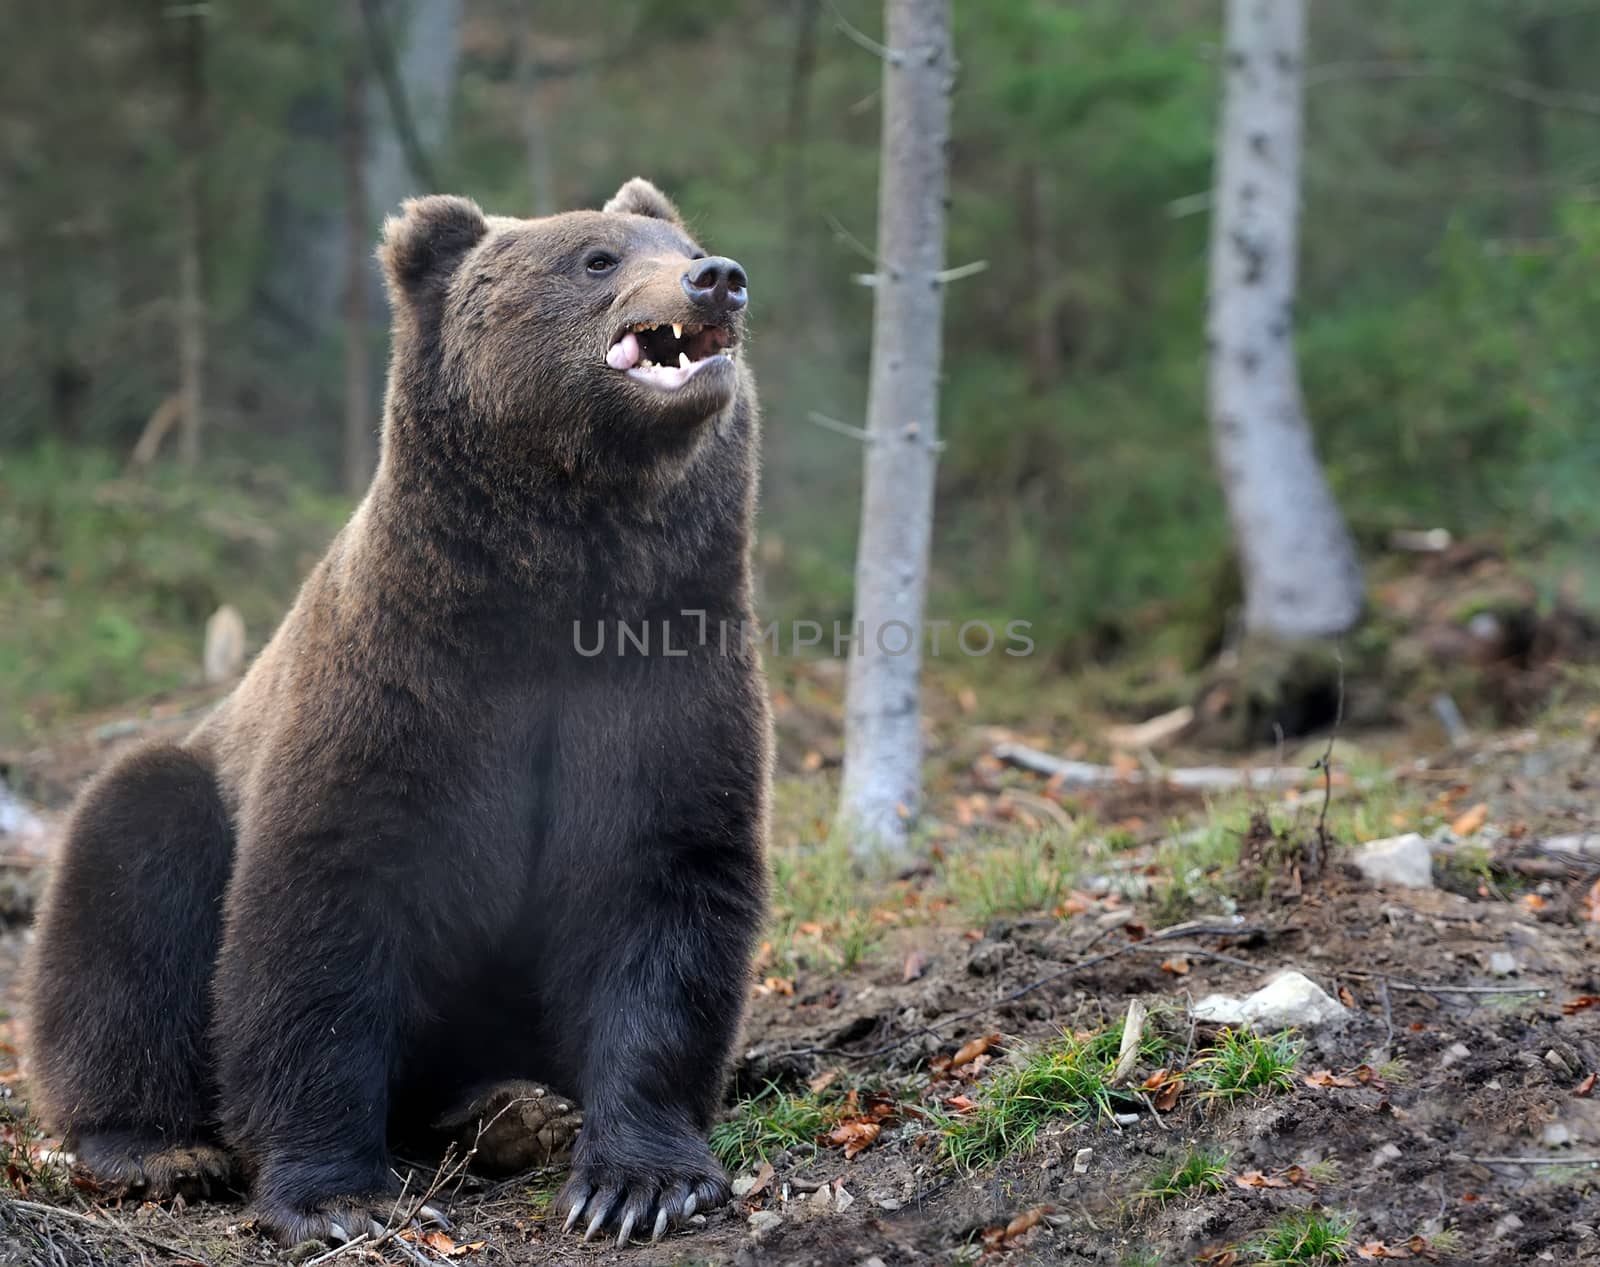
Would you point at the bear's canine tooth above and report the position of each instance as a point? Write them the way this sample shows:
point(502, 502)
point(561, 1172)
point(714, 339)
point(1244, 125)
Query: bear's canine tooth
point(677, 330)
point(683, 360)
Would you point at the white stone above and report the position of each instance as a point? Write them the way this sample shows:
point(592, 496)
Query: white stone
point(1454, 1054)
point(764, 1221)
point(1080, 1162)
point(1398, 862)
point(1503, 963)
point(1556, 1135)
point(743, 1184)
point(842, 1200)
point(1289, 999)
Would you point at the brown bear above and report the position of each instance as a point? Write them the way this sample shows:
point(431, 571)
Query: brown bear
point(435, 840)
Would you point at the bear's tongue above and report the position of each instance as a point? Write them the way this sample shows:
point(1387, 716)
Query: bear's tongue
point(624, 354)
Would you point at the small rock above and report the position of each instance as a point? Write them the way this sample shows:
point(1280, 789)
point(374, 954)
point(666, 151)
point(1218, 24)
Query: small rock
point(1125, 1119)
point(842, 1200)
point(1289, 999)
point(1556, 1135)
point(1080, 1162)
point(988, 957)
point(1558, 1062)
point(1507, 1225)
point(1503, 963)
point(742, 1185)
point(1586, 845)
point(821, 1200)
point(764, 1221)
point(1386, 1154)
point(874, 1261)
point(886, 1203)
point(1454, 1054)
point(1400, 862)
point(697, 1220)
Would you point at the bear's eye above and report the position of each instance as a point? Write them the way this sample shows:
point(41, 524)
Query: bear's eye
point(600, 262)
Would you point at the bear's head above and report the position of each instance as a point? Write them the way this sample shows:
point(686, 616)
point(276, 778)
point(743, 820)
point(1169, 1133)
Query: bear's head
point(589, 343)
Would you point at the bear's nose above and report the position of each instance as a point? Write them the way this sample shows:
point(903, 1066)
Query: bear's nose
point(717, 283)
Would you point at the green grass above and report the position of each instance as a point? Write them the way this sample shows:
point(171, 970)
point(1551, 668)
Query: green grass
point(1069, 1078)
point(1005, 875)
point(1243, 1063)
point(1196, 1173)
point(106, 580)
point(760, 1127)
point(1304, 1238)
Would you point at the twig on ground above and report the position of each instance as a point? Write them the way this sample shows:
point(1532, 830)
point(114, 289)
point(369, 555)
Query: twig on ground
point(1132, 1035)
point(1414, 987)
point(1535, 1161)
point(1326, 764)
point(1198, 778)
point(104, 1224)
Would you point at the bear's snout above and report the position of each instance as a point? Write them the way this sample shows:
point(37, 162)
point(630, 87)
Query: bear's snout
point(716, 284)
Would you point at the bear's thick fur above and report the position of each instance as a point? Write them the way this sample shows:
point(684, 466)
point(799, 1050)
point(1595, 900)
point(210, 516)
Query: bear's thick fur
point(433, 842)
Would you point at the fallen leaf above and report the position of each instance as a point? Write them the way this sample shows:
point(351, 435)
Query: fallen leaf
point(1025, 1220)
point(764, 1178)
point(823, 1081)
point(1255, 1179)
point(972, 1050)
point(1591, 903)
point(1471, 822)
point(1224, 1256)
point(1347, 998)
point(1327, 1078)
point(916, 965)
point(1178, 966)
point(780, 985)
point(1580, 1004)
point(1168, 1095)
point(1584, 1087)
point(1374, 1250)
point(1534, 902)
point(854, 1136)
point(960, 1103)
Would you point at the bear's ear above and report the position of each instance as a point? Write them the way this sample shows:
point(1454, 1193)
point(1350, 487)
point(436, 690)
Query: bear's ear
point(424, 243)
point(640, 198)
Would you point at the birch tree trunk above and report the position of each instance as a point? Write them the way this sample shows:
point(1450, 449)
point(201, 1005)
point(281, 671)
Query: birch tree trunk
point(882, 784)
point(1301, 578)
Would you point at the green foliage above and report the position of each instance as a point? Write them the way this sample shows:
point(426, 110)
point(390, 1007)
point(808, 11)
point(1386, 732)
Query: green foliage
point(1196, 1173)
point(1245, 1063)
point(1069, 1078)
point(760, 1127)
point(106, 582)
point(1013, 875)
point(1303, 1238)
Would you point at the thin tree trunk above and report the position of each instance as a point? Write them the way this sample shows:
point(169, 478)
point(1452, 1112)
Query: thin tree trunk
point(1301, 577)
point(191, 241)
point(360, 454)
point(797, 135)
point(1535, 36)
point(535, 130)
point(882, 786)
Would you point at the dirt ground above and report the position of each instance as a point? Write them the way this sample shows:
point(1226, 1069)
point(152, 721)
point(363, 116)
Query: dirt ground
point(1451, 1118)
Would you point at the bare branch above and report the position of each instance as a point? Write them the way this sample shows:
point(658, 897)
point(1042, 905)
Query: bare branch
point(857, 36)
point(1583, 103)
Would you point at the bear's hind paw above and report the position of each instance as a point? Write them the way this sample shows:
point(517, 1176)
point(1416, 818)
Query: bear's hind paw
point(129, 1164)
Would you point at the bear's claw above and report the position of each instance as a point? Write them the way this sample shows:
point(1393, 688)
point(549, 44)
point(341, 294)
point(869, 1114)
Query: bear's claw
point(630, 1200)
point(129, 1165)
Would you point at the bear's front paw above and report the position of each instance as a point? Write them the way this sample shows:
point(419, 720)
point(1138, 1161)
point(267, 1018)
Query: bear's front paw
point(660, 1182)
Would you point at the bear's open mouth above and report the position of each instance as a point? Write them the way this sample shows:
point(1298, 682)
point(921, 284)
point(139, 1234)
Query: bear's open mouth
point(667, 354)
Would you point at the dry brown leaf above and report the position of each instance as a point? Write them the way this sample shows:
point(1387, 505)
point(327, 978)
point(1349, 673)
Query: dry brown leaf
point(1591, 903)
point(1580, 1004)
point(916, 965)
point(764, 1178)
point(823, 1081)
point(1327, 1078)
point(854, 1136)
point(1178, 966)
point(1586, 1086)
point(1255, 1179)
point(1222, 1256)
point(1026, 1220)
point(1471, 822)
point(780, 985)
point(1374, 1250)
point(1346, 997)
point(1168, 1095)
point(960, 1103)
point(972, 1050)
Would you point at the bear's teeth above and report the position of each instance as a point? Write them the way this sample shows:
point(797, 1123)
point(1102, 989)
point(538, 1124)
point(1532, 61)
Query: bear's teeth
point(683, 360)
point(677, 330)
